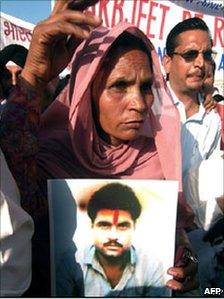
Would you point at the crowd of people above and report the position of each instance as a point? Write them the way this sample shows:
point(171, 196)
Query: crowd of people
point(115, 116)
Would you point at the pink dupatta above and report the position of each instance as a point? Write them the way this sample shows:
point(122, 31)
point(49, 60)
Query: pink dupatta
point(68, 126)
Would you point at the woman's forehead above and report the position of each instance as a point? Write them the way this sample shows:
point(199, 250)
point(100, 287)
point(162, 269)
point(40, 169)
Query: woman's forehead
point(115, 52)
point(130, 57)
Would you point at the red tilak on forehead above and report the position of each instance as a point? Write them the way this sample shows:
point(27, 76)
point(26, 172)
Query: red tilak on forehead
point(115, 217)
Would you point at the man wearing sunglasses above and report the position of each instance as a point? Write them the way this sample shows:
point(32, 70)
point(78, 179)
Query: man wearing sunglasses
point(188, 59)
point(187, 62)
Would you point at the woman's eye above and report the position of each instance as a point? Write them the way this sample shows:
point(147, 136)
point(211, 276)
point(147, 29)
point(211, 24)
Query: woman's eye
point(146, 88)
point(121, 85)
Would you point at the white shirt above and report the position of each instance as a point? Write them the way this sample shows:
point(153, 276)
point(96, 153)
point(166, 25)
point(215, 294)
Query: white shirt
point(16, 230)
point(200, 134)
point(203, 186)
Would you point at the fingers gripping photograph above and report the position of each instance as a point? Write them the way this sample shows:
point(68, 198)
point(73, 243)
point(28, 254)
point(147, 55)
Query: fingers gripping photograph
point(111, 137)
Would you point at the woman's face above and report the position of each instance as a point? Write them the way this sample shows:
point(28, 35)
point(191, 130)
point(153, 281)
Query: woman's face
point(122, 95)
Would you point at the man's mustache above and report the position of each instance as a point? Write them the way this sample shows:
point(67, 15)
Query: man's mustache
point(113, 243)
point(197, 73)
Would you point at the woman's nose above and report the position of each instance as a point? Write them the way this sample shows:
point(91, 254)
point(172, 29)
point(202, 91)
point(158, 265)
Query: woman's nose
point(138, 101)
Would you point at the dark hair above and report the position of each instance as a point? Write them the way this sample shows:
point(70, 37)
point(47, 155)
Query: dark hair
point(114, 196)
point(186, 25)
point(15, 53)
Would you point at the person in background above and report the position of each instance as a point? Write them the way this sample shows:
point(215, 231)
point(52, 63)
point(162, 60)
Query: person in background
point(204, 192)
point(101, 125)
point(209, 90)
point(16, 230)
point(214, 271)
point(16, 225)
point(211, 93)
point(190, 67)
point(12, 61)
point(200, 187)
point(187, 63)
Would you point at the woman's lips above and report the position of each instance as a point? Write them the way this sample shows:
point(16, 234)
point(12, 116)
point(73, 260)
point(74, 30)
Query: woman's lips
point(134, 124)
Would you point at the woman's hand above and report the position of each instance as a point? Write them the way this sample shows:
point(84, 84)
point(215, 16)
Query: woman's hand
point(209, 103)
point(55, 39)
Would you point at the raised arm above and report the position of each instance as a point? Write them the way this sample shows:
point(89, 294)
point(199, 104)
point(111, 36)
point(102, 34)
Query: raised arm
point(53, 43)
point(55, 39)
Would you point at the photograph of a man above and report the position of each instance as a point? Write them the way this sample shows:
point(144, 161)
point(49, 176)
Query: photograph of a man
point(112, 265)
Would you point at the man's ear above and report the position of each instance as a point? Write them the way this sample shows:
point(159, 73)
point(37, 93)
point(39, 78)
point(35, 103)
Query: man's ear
point(166, 63)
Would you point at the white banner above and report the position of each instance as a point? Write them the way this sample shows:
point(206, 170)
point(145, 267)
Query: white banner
point(15, 31)
point(157, 17)
point(210, 7)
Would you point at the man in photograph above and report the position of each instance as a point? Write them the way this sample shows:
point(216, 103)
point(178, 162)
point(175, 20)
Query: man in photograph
point(112, 265)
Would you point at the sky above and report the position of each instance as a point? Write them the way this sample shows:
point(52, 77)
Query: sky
point(31, 11)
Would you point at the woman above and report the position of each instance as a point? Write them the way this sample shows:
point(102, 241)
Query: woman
point(102, 125)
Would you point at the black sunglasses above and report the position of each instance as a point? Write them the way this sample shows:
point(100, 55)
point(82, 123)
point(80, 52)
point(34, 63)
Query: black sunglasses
point(191, 55)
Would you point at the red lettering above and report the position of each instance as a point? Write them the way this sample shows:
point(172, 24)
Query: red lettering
point(21, 34)
point(165, 9)
point(13, 30)
point(17, 32)
point(186, 14)
point(118, 7)
point(103, 11)
point(141, 15)
point(199, 15)
point(29, 35)
point(134, 12)
point(7, 31)
point(150, 18)
point(218, 32)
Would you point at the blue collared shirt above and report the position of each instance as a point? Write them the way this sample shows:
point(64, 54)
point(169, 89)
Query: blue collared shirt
point(143, 276)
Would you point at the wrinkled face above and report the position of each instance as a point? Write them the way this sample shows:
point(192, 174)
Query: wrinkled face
point(112, 232)
point(187, 76)
point(9, 77)
point(122, 96)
